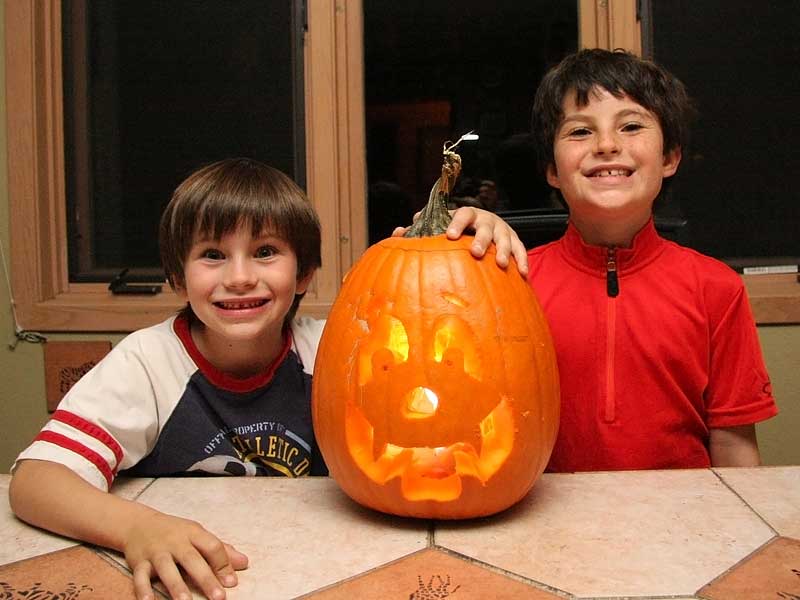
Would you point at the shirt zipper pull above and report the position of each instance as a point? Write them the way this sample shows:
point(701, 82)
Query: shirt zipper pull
point(612, 282)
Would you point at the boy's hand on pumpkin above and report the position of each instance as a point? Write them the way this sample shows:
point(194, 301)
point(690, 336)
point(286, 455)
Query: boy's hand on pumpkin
point(489, 228)
point(159, 544)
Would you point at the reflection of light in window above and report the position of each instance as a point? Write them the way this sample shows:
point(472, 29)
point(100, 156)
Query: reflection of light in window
point(421, 404)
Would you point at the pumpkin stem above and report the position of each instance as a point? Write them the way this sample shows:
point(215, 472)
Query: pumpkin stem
point(435, 217)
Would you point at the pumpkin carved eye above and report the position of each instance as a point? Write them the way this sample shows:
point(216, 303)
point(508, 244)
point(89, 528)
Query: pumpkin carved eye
point(386, 333)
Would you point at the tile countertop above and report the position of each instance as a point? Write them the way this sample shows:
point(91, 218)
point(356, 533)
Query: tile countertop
point(731, 534)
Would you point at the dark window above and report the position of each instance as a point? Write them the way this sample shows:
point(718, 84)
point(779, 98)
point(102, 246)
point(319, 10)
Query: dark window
point(435, 70)
point(155, 89)
point(736, 185)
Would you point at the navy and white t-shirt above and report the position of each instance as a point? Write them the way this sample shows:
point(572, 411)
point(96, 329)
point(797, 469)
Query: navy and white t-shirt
point(155, 407)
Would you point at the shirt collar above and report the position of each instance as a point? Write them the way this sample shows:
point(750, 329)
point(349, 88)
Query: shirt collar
point(646, 247)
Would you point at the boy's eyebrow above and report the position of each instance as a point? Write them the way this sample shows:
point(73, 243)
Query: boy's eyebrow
point(580, 117)
point(643, 113)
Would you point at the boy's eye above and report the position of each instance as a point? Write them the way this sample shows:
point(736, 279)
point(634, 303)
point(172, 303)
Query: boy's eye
point(579, 132)
point(265, 252)
point(632, 127)
point(212, 254)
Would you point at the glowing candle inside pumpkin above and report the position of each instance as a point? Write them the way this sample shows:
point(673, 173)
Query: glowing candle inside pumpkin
point(421, 403)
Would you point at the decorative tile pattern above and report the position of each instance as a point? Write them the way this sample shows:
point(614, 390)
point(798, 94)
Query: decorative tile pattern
point(72, 574)
point(772, 573)
point(432, 575)
point(65, 363)
point(299, 534)
point(773, 492)
point(616, 534)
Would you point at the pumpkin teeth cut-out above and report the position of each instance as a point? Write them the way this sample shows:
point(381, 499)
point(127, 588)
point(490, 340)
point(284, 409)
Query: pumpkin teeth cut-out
point(431, 473)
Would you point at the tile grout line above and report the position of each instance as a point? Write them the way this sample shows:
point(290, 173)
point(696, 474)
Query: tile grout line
point(744, 559)
point(747, 504)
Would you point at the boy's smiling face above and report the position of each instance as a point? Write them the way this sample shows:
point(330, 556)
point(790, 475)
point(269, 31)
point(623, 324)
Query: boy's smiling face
point(609, 161)
point(241, 288)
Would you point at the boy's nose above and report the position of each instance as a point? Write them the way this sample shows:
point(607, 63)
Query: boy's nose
point(239, 273)
point(606, 143)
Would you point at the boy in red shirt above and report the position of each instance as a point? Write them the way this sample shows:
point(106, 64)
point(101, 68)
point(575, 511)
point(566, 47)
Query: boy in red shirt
point(657, 349)
point(658, 352)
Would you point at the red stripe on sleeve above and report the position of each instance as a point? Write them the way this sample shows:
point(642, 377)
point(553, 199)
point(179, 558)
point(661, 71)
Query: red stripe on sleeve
point(90, 429)
point(87, 453)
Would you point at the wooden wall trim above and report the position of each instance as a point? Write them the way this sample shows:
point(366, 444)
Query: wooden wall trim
point(609, 24)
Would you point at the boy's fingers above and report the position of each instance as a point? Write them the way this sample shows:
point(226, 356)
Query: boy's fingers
point(483, 239)
point(239, 560)
point(503, 250)
point(206, 562)
point(168, 573)
point(399, 231)
point(142, 586)
point(462, 218)
point(521, 256)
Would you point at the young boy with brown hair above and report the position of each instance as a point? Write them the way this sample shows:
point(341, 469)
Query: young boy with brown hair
point(221, 388)
point(658, 354)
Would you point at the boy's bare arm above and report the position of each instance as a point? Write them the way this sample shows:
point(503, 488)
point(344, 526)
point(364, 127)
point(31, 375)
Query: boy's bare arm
point(51, 496)
point(734, 447)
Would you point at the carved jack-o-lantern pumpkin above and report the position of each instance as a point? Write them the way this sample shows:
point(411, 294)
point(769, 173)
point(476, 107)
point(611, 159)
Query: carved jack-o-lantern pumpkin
point(435, 388)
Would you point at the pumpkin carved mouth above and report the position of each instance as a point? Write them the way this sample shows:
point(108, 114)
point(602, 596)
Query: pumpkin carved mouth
point(473, 424)
point(431, 473)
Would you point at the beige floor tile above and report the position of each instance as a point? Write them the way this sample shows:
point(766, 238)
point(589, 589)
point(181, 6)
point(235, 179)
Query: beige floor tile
point(615, 534)
point(431, 575)
point(772, 573)
point(315, 530)
point(773, 492)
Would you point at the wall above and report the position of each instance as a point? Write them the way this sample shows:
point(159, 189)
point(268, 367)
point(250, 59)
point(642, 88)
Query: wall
point(22, 395)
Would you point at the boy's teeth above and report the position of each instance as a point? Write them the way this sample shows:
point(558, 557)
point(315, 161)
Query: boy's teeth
point(612, 173)
point(240, 305)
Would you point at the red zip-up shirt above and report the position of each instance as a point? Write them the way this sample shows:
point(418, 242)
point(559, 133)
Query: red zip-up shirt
point(656, 344)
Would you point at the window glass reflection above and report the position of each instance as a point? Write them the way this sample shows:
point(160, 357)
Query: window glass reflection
point(435, 70)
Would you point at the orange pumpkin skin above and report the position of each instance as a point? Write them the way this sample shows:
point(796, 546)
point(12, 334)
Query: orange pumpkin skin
point(435, 389)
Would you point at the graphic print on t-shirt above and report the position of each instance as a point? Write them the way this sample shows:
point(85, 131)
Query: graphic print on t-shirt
point(219, 431)
point(266, 448)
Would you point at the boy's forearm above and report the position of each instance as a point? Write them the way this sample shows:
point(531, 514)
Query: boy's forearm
point(734, 447)
point(51, 496)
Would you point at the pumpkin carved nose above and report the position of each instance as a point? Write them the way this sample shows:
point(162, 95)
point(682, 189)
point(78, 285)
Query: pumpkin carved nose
point(420, 403)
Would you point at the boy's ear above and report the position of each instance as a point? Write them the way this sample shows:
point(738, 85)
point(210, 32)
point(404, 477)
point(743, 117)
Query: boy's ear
point(671, 161)
point(304, 282)
point(180, 291)
point(552, 176)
